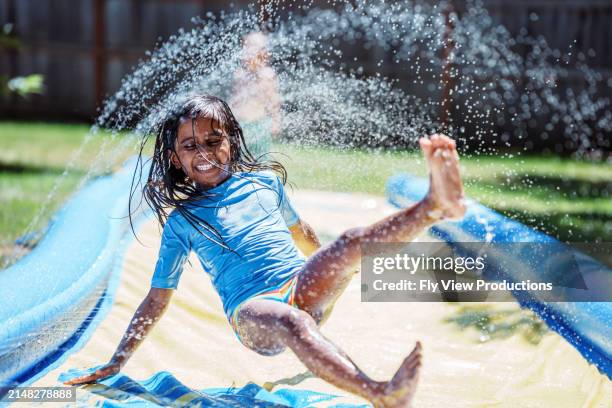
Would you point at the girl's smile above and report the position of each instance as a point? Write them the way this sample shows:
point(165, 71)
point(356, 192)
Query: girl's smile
point(202, 151)
point(204, 167)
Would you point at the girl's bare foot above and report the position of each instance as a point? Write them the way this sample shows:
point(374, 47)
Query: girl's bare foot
point(445, 188)
point(398, 392)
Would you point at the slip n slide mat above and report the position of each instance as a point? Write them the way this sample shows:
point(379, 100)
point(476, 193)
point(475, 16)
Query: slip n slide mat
point(193, 348)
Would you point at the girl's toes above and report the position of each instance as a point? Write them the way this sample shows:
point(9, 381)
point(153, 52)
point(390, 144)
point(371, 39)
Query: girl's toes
point(436, 141)
point(441, 142)
point(450, 143)
point(426, 146)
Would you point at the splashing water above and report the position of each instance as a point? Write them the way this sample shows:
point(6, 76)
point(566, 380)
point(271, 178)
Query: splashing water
point(451, 72)
point(328, 101)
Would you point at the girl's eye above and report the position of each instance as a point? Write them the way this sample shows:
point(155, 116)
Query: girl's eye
point(189, 147)
point(214, 142)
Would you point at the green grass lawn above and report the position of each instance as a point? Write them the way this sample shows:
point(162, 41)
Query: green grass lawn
point(569, 199)
point(40, 166)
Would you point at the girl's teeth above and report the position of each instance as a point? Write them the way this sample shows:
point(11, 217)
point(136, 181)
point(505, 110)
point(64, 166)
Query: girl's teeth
point(204, 168)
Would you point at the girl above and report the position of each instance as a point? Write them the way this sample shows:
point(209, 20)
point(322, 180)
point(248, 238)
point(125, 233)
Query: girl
point(233, 212)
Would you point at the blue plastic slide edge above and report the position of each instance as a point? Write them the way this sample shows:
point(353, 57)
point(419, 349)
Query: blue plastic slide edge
point(585, 325)
point(53, 298)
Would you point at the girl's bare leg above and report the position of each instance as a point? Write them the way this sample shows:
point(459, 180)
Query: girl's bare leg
point(327, 272)
point(267, 326)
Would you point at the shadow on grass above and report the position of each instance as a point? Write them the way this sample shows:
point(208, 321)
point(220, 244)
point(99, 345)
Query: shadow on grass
point(19, 168)
point(571, 187)
point(492, 324)
point(572, 227)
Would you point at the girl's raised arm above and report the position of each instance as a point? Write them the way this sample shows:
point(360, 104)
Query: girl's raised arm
point(147, 314)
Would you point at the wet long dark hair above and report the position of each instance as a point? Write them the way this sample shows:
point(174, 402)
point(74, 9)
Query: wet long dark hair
point(169, 188)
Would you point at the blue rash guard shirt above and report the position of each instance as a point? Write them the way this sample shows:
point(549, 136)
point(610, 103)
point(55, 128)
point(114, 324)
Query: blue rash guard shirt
point(252, 214)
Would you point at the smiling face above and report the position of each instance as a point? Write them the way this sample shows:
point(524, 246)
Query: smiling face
point(202, 151)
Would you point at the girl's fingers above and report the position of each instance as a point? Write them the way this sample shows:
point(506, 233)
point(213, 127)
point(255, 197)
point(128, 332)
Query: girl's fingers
point(87, 378)
point(80, 380)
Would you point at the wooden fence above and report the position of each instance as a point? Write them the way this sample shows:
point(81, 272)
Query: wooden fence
point(85, 47)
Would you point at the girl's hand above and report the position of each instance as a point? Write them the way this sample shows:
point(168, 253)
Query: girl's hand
point(445, 198)
point(149, 311)
point(104, 371)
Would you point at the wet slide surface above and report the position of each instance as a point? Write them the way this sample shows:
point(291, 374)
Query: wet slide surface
point(195, 344)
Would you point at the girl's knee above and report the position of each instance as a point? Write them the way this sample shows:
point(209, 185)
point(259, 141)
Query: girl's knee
point(297, 323)
point(315, 314)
